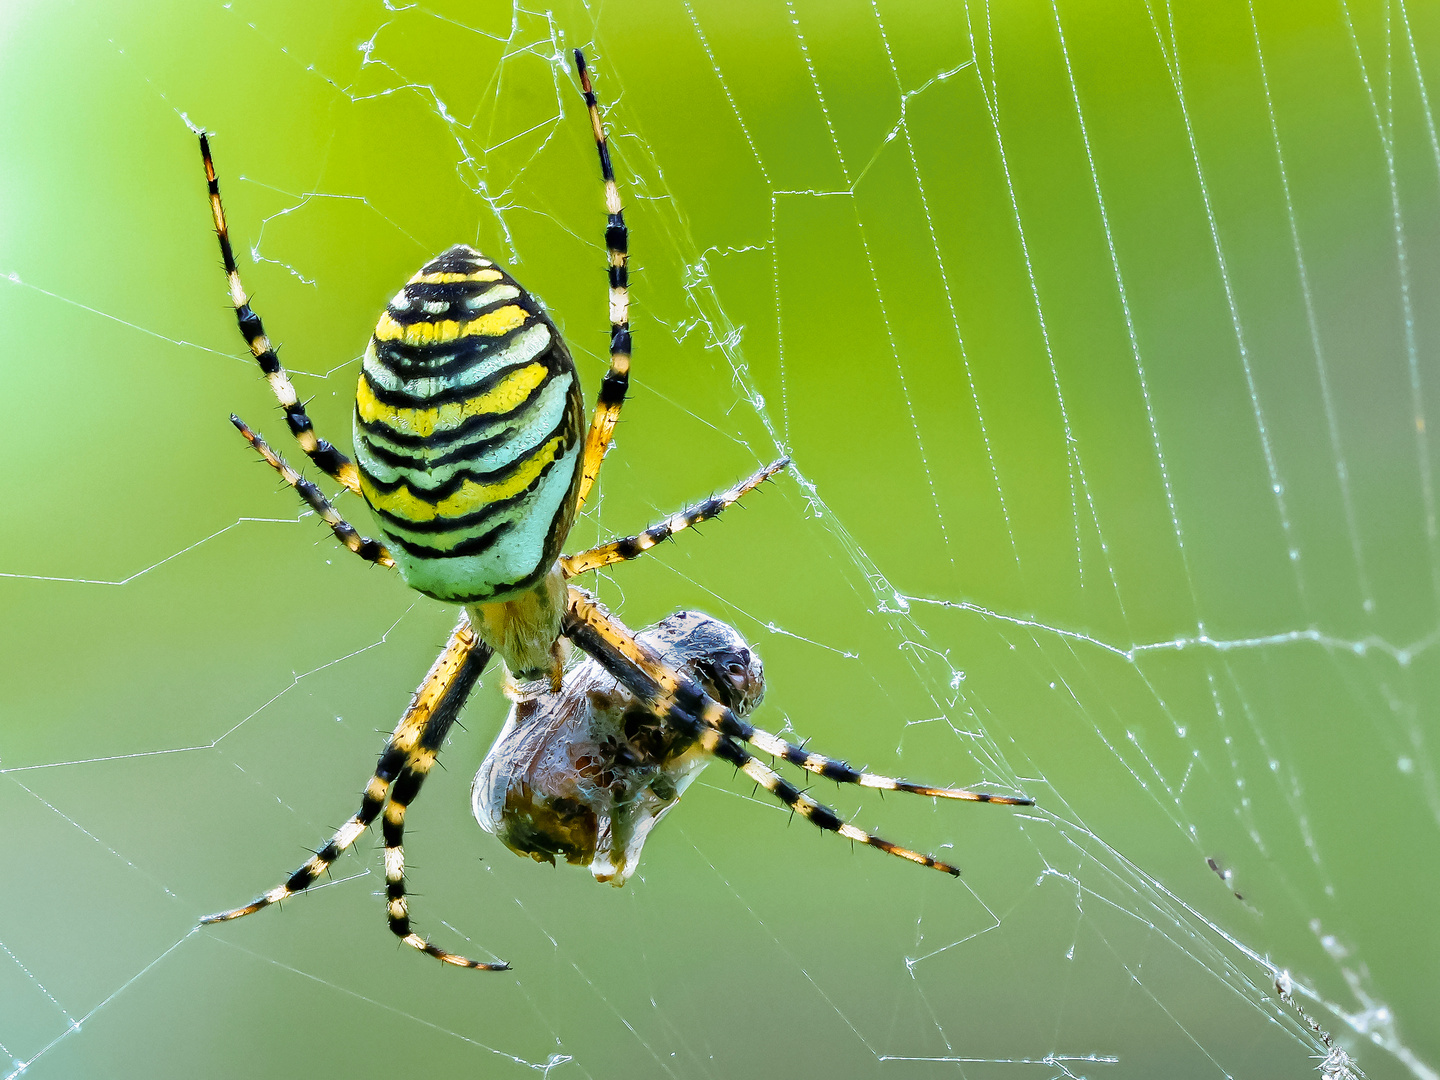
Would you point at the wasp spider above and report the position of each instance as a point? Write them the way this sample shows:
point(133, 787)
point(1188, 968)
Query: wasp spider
point(470, 450)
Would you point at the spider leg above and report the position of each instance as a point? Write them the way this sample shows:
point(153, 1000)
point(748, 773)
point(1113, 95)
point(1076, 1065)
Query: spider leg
point(632, 546)
point(368, 549)
point(328, 459)
point(402, 793)
point(410, 751)
point(617, 240)
point(678, 701)
point(817, 813)
point(842, 773)
point(644, 674)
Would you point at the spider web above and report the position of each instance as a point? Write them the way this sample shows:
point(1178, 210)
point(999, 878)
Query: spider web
point(1101, 342)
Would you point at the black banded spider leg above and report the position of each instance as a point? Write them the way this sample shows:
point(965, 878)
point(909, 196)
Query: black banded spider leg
point(645, 675)
point(617, 244)
point(678, 700)
point(407, 759)
point(330, 460)
point(368, 549)
point(631, 547)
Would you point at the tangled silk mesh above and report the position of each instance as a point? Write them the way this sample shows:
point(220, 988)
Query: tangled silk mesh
point(1144, 540)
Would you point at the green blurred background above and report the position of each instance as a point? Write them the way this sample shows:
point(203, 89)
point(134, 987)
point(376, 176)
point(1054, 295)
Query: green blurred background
point(1154, 545)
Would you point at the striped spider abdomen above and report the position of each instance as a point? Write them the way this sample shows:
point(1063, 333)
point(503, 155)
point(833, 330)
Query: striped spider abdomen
point(468, 430)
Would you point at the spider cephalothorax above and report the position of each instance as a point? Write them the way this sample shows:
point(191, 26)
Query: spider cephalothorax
point(467, 422)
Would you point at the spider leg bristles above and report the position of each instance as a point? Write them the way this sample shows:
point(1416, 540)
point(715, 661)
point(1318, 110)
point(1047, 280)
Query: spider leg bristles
point(315, 868)
point(617, 245)
point(408, 756)
point(817, 813)
point(670, 688)
point(841, 773)
point(325, 456)
point(368, 549)
point(397, 908)
point(678, 701)
point(631, 547)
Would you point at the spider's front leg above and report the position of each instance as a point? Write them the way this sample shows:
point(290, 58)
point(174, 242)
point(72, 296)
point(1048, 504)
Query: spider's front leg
point(678, 700)
point(594, 625)
point(406, 760)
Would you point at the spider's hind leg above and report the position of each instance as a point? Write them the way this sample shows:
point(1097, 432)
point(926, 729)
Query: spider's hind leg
point(325, 456)
point(617, 245)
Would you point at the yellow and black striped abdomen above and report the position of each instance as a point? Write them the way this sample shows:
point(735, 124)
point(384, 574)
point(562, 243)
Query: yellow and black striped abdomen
point(468, 430)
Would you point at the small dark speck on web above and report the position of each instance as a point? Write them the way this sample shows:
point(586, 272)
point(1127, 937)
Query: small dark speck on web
point(1224, 876)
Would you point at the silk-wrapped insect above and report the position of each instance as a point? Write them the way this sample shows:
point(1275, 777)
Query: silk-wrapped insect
point(587, 773)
